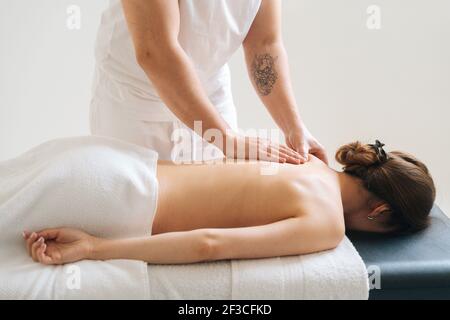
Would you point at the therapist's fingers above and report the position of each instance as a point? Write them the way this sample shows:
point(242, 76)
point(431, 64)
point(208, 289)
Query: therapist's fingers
point(272, 154)
point(303, 150)
point(291, 152)
point(263, 149)
point(291, 158)
point(289, 155)
point(270, 157)
point(320, 153)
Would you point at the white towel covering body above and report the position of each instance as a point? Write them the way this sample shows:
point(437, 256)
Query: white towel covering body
point(103, 186)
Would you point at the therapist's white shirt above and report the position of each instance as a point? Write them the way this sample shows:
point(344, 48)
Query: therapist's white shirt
point(126, 105)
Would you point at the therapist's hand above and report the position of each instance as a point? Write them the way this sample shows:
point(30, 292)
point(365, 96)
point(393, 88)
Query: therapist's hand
point(304, 143)
point(260, 149)
point(58, 246)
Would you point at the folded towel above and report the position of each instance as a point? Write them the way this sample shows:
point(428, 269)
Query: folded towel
point(199, 281)
point(103, 186)
point(333, 274)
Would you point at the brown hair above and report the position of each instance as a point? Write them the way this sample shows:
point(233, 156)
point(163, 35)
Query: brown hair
point(400, 180)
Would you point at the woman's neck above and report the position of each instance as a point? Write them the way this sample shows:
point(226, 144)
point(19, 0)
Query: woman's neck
point(352, 194)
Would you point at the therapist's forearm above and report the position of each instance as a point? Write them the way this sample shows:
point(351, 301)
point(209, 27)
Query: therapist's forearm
point(269, 72)
point(178, 85)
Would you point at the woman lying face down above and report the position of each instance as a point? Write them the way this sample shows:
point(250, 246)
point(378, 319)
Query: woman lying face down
point(232, 211)
point(384, 192)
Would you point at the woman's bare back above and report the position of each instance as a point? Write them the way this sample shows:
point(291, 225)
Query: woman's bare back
point(232, 195)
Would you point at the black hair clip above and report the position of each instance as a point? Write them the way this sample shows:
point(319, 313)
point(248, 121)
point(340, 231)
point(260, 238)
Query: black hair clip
point(378, 147)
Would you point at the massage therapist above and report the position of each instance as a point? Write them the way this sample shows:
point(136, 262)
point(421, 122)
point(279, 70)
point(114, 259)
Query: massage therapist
point(161, 65)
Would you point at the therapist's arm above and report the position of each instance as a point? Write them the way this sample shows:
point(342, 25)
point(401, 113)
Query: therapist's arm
point(268, 68)
point(154, 27)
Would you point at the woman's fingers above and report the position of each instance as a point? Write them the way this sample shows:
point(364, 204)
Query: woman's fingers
point(43, 257)
point(38, 249)
point(49, 234)
point(35, 247)
point(30, 240)
point(40, 252)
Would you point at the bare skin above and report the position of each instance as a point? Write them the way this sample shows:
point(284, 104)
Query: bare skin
point(234, 195)
point(217, 212)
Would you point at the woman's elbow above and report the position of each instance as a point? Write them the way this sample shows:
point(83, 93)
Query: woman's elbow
point(208, 246)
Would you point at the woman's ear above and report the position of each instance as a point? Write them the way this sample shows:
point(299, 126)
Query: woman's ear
point(377, 211)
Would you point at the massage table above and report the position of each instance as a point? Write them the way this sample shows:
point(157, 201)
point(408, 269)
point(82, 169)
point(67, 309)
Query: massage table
point(410, 266)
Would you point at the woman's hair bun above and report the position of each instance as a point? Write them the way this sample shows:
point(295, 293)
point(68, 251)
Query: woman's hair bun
point(356, 154)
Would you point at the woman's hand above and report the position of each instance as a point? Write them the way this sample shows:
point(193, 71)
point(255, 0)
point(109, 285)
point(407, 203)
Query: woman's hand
point(255, 148)
point(59, 246)
point(302, 141)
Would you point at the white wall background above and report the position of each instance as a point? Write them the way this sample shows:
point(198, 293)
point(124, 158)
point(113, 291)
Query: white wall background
point(351, 82)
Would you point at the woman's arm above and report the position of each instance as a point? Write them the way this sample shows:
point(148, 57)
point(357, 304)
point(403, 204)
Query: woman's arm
point(296, 235)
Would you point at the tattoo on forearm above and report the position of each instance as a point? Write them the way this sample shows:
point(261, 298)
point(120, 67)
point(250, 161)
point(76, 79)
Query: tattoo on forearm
point(264, 73)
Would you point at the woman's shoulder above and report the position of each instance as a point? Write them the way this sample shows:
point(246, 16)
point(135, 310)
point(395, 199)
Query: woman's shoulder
point(319, 191)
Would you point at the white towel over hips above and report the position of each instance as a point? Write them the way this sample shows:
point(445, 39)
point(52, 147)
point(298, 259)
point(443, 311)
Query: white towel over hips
point(103, 186)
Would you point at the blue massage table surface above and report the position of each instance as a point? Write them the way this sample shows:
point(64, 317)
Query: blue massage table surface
point(410, 266)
